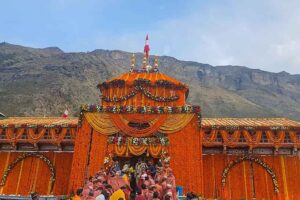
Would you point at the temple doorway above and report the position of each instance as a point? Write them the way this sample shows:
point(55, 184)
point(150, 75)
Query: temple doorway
point(133, 160)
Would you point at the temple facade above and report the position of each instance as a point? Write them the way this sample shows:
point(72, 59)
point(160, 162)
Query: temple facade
point(144, 113)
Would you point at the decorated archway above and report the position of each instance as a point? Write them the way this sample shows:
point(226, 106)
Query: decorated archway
point(23, 157)
point(258, 161)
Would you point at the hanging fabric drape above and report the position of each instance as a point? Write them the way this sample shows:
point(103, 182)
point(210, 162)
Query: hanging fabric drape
point(102, 123)
point(176, 122)
point(137, 150)
point(139, 118)
point(123, 126)
point(109, 124)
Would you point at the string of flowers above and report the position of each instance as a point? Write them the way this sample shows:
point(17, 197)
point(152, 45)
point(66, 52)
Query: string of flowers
point(251, 159)
point(38, 126)
point(232, 128)
point(141, 82)
point(123, 140)
point(168, 84)
point(24, 156)
point(140, 110)
point(134, 92)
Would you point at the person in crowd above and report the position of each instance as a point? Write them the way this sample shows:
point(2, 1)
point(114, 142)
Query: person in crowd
point(109, 190)
point(139, 195)
point(140, 168)
point(126, 191)
point(151, 189)
point(91, 195)
point(99, 194)
point(145, 191)
point(167, 197)
point(115, 167)
point(151, 168)
point(152, 182)
point(158, 188)
point(117, 195)
point(78, 194)
point(156, 196)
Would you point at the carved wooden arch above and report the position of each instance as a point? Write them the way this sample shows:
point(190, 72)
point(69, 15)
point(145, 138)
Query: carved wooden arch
point(251, 159)
point(23, 157)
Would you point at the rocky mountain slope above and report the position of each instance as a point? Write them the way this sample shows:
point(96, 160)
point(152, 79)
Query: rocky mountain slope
point(43, 82)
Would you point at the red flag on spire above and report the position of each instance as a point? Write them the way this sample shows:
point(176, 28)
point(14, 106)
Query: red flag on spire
point(146, 47)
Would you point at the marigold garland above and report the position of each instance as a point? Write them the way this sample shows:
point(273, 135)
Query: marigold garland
point(135, 91)
point(255, 160)
point(140, 110)
point(141, 81)
point(123, 140)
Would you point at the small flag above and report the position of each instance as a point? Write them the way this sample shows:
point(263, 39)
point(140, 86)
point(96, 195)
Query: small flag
point(66, 113)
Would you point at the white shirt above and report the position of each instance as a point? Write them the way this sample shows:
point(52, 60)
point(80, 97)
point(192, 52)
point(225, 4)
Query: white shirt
point(100, 197)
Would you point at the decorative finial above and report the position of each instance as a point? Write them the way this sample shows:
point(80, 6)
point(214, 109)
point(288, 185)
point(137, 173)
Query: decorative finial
point(146, 52)
point(132, 62)
point(156, 63)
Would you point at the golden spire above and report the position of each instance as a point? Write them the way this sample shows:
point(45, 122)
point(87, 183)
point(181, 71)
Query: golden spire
point(132, 62)
point(144, 61)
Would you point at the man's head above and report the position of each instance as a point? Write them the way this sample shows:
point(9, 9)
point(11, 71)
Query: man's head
point(79, 191)
point(143, 186)
point(91, 193)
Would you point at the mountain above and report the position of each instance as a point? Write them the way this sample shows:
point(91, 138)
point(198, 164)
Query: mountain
point(42, 82)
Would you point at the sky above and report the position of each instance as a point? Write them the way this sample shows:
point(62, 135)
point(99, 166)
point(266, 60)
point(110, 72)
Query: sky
point(260, 34)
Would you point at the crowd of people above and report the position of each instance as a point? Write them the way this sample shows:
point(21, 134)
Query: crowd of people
point(144, 181)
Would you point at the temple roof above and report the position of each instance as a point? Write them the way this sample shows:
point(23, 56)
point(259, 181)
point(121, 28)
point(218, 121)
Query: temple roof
point(206, 122)
point(39, 121)
point(250, 122)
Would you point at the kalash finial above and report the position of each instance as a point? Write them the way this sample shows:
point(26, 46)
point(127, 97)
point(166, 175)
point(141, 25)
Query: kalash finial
point(132, 63)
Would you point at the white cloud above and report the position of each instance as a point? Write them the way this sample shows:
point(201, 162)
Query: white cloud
point(257, 34)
